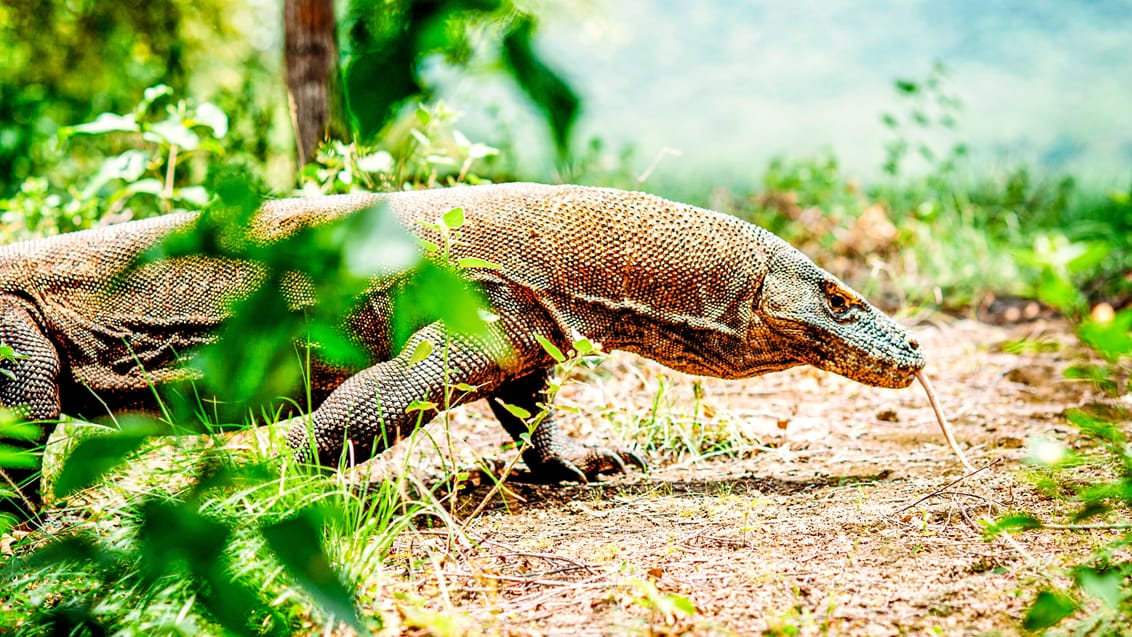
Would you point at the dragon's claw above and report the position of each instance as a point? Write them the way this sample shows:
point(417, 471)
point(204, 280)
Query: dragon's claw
point(583, 463)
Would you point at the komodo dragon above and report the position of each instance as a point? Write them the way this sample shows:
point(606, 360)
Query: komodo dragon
point(695, 290)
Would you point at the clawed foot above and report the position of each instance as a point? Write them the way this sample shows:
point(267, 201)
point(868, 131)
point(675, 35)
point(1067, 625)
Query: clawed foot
point(582, 463)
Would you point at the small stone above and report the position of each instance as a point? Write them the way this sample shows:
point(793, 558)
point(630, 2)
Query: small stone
point(888, 415)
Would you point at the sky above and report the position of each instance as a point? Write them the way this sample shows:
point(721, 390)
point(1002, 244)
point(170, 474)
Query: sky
point(731, 85)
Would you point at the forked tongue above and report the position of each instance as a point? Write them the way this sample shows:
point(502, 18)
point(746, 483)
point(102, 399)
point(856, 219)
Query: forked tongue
point(943, 425)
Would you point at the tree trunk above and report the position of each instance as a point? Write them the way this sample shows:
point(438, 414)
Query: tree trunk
point(311, 60)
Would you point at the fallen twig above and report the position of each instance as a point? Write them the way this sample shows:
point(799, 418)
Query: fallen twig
point(517, 579)
point(548, 557)
point(947, 486)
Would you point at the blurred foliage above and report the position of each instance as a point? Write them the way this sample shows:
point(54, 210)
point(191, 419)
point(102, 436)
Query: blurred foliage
point(386, 40)
point(242, 552)
point(1091, 475)
point(425, 149)
point(163, 154)
point(171, 143)
point(935, 232)
point(927, 106)
point(64, 61)
point(227, 59)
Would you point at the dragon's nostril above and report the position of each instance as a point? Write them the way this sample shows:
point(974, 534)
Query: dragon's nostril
point(913, 343)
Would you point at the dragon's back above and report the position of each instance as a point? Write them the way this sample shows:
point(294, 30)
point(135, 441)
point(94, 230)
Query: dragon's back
point(598, 261)
point(602, 262)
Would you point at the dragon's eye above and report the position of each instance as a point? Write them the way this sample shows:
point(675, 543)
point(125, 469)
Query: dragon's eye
point(839, 301)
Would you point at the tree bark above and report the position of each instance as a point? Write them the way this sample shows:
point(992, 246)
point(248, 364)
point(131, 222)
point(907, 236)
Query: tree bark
point(311, 60)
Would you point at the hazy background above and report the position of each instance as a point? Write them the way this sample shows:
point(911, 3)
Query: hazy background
point(732, 84)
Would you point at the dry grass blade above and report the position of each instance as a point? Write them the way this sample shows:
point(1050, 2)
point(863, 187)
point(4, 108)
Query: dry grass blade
point(943, 424)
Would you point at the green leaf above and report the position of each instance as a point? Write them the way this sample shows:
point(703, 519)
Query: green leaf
point(453, 219)
point(907, 87)
point(378, 73)
point(174, 534)
point(1048, 609)
point(373, 243)
point(1099, 375)
point(105, 123)
point(12, 428)
point(515, 410)
point(95, 456)
point(364, 85)
point(152, 94)
point(682, 604)
point(17, 458)
point(1094, 427)
point(1104, 585)
point(297, 542)
point(543, 85)
point(1113, 339)
point(236, 605)
point(70, 550)
point(333, 344)
point(210, 115)
point(433, 294)
point(128, 166)
point(195, 195)
point(1091, 255)
point(146, 186)
point(1059, 292)
point(584, 346)
point(1011, 523)
point(554, 352)
point(421, 406)
point(421, 352)
point(1019, 522)
point(1089, 510)
point(172, 131)
point(467, 263)
point(174, 537)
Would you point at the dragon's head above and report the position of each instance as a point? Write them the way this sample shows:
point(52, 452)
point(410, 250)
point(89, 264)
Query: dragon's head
point(824, 323)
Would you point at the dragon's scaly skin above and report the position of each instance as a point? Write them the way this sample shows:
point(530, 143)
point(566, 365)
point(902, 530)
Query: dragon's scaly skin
point(698, 291)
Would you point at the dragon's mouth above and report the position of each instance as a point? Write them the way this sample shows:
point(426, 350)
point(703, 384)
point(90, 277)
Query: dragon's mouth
point(894, 370)
point(892, 365)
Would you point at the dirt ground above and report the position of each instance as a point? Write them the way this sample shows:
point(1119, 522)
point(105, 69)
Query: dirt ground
point(836, 516)
point(824, 528)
